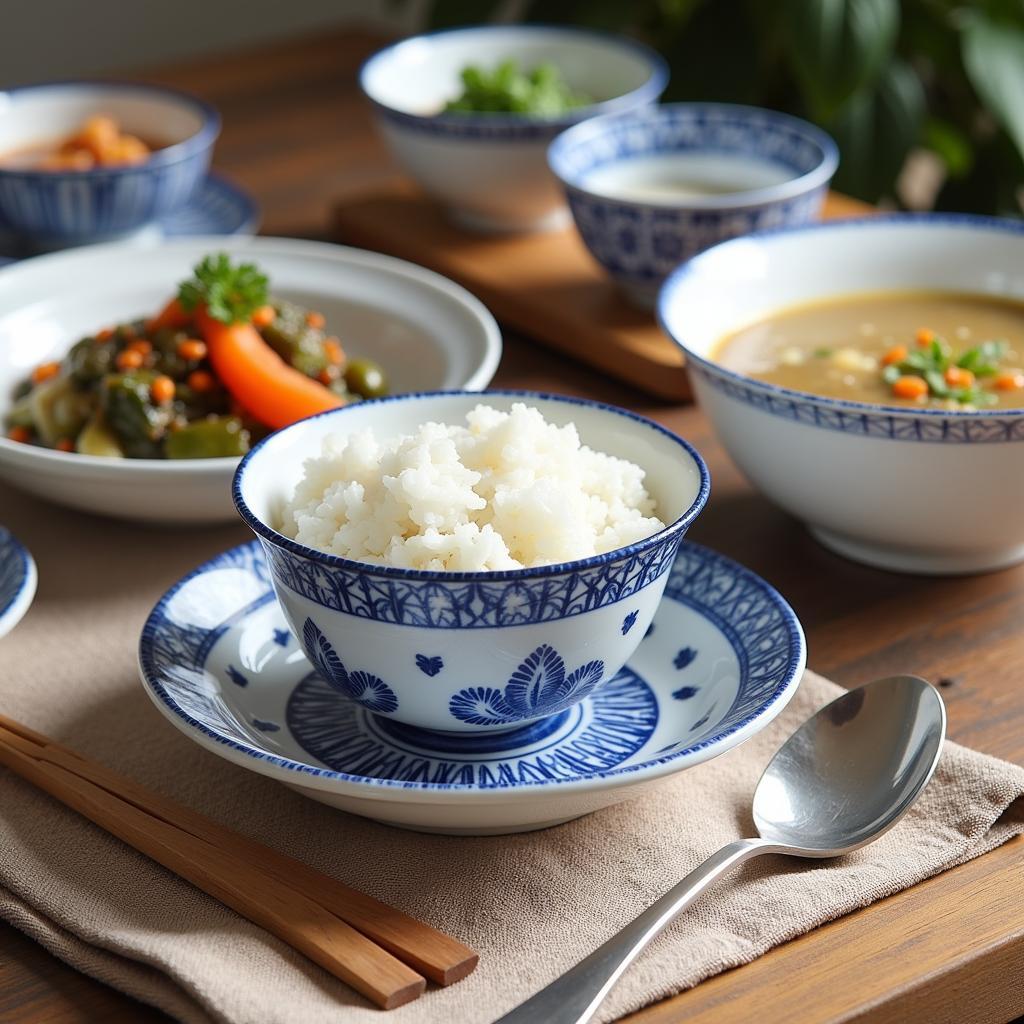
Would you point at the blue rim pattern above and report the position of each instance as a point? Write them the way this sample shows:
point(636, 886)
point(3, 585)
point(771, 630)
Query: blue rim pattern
point(640, 242)
point(890, 422)
point(499, 127)
point(763, 629)
point(16, 575)
point(286, 544)
point(804, 149)
point(429, 601)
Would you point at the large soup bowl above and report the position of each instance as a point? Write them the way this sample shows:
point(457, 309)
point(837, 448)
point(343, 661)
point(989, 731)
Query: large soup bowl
point(470, 651)
point(915, 490)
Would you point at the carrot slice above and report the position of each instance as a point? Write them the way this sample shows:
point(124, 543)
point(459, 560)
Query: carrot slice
point(910, 387)
point(172, 315)
point(257, 377)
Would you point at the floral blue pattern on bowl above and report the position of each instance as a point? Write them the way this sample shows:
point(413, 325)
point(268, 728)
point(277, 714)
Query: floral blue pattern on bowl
point(17, 580)
point(483, 628)
point(639, 242)
point(653, 719)
point(53, 208)
point(540, 686)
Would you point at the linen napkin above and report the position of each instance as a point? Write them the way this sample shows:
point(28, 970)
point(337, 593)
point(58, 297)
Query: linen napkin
point(532, 904)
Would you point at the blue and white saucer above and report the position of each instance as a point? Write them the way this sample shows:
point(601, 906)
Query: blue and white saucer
point(217, 207)
point(723, 657)
point(17, 580)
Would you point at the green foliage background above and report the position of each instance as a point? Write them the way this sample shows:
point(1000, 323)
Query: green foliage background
point(881, 76)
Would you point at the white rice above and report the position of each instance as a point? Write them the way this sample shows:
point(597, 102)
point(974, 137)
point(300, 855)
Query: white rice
point(505, 491)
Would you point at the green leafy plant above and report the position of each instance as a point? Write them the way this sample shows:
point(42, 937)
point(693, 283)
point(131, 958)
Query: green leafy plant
point(884, 77)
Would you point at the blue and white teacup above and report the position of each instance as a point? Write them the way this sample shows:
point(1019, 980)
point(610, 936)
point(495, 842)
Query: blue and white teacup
point(471, 651)
point(650, 188)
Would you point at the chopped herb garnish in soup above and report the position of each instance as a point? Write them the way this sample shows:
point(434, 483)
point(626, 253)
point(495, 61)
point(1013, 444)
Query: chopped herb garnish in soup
point(939, 350)
point(507, 90)
point(217, 368)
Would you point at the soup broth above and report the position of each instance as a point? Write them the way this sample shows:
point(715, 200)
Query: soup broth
point(678, 177)
point(938, 350)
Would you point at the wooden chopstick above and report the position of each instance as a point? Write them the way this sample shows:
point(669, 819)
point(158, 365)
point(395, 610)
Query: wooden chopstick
point(331, 923)
point(285, 912)
point(441, 958)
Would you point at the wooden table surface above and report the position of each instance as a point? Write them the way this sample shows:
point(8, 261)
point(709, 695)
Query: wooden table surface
point(297, 135)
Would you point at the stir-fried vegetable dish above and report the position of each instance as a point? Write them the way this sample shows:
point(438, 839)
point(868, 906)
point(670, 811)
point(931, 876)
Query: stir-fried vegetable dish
point(219, 367)
point(507, 90)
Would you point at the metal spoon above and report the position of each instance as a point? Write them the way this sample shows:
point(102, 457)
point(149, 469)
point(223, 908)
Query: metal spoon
point(843, 778)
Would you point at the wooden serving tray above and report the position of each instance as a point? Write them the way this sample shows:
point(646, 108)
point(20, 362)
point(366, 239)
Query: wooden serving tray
point(545, 285)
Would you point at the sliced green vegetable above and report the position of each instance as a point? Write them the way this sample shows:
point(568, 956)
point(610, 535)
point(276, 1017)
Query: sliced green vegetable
point(97, 438)
point(58, 409)
point(217, 437)
point(295, 341)
point(138, 423)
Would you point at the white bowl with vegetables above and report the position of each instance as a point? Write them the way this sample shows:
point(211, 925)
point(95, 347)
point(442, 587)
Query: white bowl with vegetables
point(470, 112)
point(115, 400)
point(868, 376)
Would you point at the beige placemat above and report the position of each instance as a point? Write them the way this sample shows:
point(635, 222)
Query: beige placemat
point(531, 904)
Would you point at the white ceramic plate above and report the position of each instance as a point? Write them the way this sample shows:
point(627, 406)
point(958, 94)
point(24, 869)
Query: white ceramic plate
point(427, 332)
point(721, 659)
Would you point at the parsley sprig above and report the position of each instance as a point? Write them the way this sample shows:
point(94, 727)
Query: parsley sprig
point(932, 361)
point(230, 292)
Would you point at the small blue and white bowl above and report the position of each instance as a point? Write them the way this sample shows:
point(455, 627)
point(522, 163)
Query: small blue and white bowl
point(490, 170)
point(52, 209)
point(915, 490)
point(652, 188)
point(548, 636)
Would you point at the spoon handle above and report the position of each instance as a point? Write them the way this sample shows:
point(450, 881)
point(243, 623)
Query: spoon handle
point(574, 997)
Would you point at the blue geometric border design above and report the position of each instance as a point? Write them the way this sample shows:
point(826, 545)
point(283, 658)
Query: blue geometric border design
point(893, 427)
point(437, 604)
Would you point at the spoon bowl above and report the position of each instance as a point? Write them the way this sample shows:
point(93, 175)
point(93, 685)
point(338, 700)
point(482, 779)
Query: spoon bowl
point(853, 770)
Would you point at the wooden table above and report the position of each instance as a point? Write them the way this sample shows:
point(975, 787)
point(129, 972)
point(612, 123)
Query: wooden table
point(949, 950)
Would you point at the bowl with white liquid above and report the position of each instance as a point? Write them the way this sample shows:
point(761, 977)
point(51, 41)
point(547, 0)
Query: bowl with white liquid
point(651, 188)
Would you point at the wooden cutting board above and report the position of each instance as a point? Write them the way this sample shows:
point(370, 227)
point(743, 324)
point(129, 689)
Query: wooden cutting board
point(545, 285)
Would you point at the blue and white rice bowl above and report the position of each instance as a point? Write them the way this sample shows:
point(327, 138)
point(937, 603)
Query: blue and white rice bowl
point(547, 637)
point(490, 170)
point(55, 208)
point(753, 169)
point(721, 659)
point(915, 490)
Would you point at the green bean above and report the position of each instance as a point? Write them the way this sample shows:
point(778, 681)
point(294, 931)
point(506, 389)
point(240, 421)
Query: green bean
point(366, 378)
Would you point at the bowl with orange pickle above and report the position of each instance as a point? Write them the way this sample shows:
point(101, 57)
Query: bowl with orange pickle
point(868, 377)
point(94, 161)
